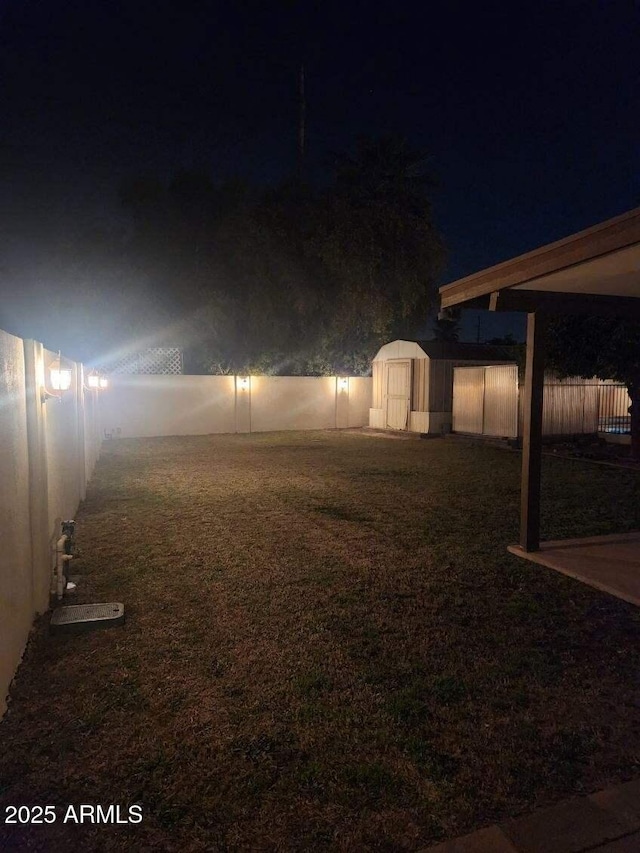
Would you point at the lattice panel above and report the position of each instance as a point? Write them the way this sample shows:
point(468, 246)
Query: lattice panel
point(158, 360)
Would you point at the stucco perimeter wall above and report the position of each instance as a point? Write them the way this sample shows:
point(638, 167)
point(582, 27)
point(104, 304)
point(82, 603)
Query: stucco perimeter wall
point(146, 406)
point(139, 406)
point(92, 432)
point(48, 447)
point(360, 391)
point(64, 454)
point(292, 402)
point(16, 612)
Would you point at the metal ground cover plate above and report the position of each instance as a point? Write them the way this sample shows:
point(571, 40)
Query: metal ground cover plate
point(86, 617)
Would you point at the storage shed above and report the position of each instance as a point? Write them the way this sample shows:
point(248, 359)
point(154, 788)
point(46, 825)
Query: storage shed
point(413, 382)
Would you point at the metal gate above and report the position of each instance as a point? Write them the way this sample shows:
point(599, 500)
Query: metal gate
point(398, 393)
point(485, 400)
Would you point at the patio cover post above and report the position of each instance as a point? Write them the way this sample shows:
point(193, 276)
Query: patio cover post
point(532, 433)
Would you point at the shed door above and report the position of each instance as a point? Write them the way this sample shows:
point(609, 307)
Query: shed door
point(501, 401)
point(398, 393)
point(468, 400)
point(485, 400)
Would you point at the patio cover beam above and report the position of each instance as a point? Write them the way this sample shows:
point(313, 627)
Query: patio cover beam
point(565, 303)
point(602, 239)
point(532, 434)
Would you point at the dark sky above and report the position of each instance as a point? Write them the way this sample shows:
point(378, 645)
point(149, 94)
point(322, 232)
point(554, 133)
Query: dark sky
point(529, 110)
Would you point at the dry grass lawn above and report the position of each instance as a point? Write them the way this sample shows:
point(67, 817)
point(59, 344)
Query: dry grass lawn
point(327, 647)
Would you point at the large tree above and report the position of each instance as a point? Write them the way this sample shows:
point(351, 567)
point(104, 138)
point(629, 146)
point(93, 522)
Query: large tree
point(378, 242)
point(293, 279)
point(603, 347)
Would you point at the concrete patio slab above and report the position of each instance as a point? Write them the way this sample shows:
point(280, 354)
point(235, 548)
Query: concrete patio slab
point(569, 827)
point(491, 839)
point(623, 802)
point(609, 563)
point(628, 844)
point(605, 822)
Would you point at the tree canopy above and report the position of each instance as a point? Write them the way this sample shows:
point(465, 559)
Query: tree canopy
point(292, 279)
point(447, 327)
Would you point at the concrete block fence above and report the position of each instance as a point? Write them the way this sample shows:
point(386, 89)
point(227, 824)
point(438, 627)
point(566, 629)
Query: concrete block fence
point(138, 406)
point(48, 448)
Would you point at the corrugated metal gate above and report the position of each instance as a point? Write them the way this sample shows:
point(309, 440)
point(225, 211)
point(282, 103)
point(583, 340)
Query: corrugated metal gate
point(485, 400)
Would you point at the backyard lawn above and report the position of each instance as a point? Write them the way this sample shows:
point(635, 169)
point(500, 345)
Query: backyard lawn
point(327, 647)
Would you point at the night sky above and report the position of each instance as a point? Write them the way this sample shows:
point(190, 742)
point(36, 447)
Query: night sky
point(529, 111)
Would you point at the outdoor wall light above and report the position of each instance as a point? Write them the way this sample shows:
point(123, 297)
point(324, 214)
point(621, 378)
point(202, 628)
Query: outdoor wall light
point(96, 382)
point(343, 383)
point(243, 382)
point(59, 380)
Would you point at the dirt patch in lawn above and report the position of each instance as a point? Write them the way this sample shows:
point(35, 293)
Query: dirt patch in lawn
point(327, 647)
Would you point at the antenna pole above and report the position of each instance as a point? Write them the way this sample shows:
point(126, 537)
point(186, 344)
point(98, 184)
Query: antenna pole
point(302, 104)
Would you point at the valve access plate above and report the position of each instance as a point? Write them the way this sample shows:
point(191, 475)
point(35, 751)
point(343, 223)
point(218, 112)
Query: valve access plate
point(86, 617)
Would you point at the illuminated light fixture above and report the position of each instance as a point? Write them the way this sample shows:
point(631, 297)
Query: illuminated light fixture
point(59, 380)
point(96, 382)
point(243, 382)
point(343, 383)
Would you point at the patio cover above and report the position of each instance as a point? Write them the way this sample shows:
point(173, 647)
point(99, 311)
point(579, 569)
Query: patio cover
point(596, 271)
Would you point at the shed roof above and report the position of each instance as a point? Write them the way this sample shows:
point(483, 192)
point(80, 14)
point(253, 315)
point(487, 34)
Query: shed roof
point(451, 350)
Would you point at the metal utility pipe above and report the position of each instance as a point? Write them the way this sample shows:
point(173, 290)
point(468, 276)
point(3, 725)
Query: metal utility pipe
point(61, 558)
